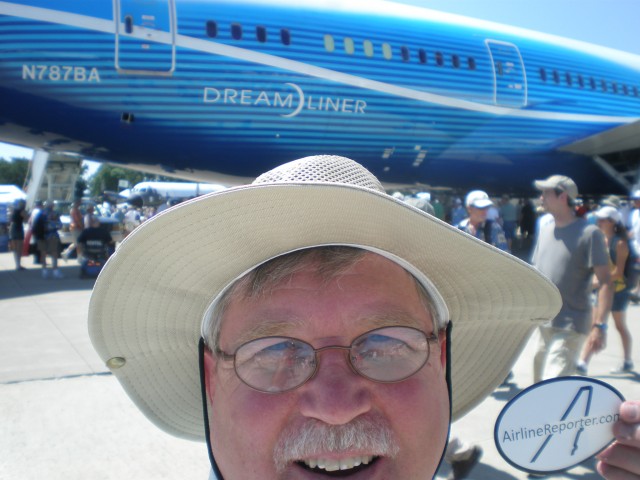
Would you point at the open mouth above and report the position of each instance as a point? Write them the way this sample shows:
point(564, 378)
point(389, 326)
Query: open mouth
point(338, 468)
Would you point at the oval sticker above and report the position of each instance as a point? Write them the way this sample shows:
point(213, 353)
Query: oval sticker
point(556, 424)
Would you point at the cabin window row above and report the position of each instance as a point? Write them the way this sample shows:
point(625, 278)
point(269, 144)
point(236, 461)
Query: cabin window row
point(569, 79)
point(238, 33)
point(349, 46)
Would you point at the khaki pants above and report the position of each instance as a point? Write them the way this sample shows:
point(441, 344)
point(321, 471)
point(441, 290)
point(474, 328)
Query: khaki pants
point(557, 353)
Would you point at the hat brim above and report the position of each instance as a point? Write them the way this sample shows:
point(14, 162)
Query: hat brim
point(150, 298)
point(482, 203)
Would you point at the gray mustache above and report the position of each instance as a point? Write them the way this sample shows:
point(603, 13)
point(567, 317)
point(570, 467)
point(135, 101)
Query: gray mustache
point(372, 436)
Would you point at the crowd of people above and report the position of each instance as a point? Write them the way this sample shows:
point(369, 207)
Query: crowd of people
point(39, 231)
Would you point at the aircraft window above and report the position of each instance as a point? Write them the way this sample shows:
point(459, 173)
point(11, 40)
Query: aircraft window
point(499, 68)
point(212, 29)
point(348, 45)
point(625, 89)
point(592, 82)
point(128, 24)
point(261, 34)
point(614, 85)
point(422, 55)
point(285, 36)
point(556, 76)
point(236, 31)
point(329, 44)
point(404, 51)
point(567, 76)
point(455, 61)
point(439, 59)
point(472, 63)
point(603, 84)
point(543, 74)
point(386, 51)
point(368, 48)
point(580, 81)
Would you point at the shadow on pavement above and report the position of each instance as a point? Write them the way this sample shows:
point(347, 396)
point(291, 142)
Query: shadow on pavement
point(30, 282)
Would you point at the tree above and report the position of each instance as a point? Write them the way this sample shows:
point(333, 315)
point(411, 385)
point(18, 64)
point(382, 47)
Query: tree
point(107, 177)
point(13, 172)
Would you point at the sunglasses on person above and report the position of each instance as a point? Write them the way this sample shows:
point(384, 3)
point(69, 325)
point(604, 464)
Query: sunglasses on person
point(280, 364)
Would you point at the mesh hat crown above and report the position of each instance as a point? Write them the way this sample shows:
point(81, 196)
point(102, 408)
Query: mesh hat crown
point(151, 298)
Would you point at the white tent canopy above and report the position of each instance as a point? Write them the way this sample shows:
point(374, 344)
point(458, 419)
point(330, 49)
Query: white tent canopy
point(11, 193)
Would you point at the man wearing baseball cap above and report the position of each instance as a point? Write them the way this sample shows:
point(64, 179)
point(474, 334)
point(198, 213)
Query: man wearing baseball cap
point(569, 251)
point(335, 327)
point(478, 204)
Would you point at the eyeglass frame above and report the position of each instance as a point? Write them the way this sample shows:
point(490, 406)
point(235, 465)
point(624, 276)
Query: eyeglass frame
point(434, 337)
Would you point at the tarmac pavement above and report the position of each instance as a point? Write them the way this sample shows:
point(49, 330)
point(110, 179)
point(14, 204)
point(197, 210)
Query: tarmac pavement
point(63, 416)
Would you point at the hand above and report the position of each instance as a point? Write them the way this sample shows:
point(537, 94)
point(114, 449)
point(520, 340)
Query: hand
point(621, 459)
point(597, 340)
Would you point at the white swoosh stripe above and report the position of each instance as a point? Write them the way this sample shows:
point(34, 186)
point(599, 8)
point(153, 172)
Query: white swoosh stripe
point(92, 23)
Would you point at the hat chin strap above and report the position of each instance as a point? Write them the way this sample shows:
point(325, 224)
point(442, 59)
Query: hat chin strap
point(205, 407)
point(205, 410)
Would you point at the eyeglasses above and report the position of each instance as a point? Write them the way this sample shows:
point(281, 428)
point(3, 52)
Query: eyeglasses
point(280, 364)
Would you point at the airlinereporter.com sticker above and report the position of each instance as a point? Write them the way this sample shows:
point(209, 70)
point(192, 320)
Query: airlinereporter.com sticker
point(557, 424)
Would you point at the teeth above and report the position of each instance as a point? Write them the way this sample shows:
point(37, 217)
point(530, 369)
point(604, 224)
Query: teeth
point(331, 464)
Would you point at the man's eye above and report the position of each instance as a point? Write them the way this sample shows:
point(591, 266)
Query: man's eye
point(376, 345)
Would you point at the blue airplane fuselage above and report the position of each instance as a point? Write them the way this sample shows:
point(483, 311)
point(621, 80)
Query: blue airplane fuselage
point(218, 89)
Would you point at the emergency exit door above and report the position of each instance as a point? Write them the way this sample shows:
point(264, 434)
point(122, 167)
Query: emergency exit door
point(510, 80)
point(145, 36)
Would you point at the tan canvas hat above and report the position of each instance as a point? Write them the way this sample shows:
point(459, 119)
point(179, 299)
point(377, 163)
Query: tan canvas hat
point(150, 299)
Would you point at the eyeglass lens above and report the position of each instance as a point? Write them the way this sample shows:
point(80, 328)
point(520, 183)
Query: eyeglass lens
point(278, 364)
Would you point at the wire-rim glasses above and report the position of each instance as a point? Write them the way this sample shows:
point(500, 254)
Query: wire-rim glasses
point(279, 364)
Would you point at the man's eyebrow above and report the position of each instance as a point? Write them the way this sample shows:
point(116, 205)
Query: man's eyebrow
point(393, 319)
point(269, 329)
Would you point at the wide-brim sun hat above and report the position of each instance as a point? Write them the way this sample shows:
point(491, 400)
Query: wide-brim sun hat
point(149, 302)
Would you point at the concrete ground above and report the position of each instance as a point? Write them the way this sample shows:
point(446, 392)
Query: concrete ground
point(63, 416)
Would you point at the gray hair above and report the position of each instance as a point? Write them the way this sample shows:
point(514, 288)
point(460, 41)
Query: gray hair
point(332, 261)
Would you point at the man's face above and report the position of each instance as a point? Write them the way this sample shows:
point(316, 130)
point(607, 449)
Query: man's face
point(477, 215)
point(551, 201)
point(247, 426)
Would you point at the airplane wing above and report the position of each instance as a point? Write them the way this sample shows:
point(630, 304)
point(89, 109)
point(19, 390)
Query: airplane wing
point(619, 139)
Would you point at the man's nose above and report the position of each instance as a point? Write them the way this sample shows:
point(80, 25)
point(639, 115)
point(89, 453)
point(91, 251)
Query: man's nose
point(336, 394)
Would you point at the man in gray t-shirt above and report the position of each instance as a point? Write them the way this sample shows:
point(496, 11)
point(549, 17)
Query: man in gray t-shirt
point(568, 252)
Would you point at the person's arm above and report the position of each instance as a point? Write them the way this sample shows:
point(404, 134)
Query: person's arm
point(621, 459)
point(597, 338)
point(622, 252)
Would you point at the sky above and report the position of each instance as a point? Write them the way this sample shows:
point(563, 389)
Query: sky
point(603, 22)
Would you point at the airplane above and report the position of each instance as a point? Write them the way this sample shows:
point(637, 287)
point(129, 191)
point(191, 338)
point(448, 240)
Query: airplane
point(222, 90)
point(155, 193)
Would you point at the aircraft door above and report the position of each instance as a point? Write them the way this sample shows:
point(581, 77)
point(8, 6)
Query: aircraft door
point(145, 36)
point(509, 75)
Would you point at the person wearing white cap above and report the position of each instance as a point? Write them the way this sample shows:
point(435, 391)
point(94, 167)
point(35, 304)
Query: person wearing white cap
point(478, 204)
point(610, 222)
point(320, 312)
point(569, 251)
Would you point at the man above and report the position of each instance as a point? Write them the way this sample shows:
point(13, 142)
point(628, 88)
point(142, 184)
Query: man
point(94, 242)
point(76, 226)
point(478, 204)
point(324, 305)
point(509, 214)
point(569, 252)
point(45, 229)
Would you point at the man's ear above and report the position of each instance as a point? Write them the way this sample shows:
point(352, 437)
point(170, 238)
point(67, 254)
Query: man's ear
point(442, 342)
point(210, 362)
